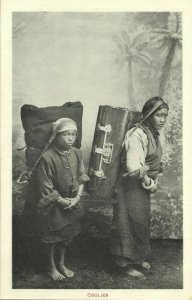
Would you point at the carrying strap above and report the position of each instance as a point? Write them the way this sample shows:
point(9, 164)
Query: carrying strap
point(25, 176)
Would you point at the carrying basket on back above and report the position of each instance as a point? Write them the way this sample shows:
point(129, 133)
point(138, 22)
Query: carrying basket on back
point(37, 123)
point(111, 126)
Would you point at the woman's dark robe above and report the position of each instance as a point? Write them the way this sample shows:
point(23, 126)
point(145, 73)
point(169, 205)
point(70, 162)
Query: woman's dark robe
point(131, 219)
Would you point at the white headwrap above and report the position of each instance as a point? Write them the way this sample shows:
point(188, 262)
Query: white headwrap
point(64, 124)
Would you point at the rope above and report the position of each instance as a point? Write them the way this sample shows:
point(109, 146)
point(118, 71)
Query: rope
point(26, 176)
point(19, 149)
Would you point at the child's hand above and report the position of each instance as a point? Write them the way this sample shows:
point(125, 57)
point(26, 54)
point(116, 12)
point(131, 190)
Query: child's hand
point(64, 202)
point(73, 202)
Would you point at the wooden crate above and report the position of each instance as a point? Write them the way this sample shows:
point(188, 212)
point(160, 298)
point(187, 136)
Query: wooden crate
point(111, 126)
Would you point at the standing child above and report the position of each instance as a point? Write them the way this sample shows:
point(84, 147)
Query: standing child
point(60, 180)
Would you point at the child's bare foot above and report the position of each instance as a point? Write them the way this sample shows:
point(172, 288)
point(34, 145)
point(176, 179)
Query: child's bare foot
point(64, 270)
point(134, 273)
point(55, 275)
point(145, 265)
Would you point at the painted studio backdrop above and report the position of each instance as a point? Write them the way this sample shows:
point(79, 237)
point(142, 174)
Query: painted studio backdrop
point(117, 59)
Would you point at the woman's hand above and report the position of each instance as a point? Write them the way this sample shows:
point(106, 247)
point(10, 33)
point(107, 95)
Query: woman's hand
point(149, 184)
point(154, 187)
point(73, 202)
point(146, 180)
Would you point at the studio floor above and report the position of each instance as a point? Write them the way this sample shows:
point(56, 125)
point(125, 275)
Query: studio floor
point(89, 258)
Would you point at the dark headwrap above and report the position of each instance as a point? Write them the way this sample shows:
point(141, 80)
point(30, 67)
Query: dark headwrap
point(151, 106)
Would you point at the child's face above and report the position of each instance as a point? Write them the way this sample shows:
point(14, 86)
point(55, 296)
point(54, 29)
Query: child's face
point(66, 138)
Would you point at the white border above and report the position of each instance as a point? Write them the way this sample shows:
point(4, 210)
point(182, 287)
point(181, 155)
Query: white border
point(7, 7)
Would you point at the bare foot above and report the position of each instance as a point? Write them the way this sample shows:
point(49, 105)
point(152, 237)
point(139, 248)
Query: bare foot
point(145, 265)
point(67, 272)
point(134, 273)
point(55, 275)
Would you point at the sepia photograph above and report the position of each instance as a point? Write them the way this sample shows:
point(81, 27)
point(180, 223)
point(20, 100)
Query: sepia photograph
point(97, 154)
point(97, 150)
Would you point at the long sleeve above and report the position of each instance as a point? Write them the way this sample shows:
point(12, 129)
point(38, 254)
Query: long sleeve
point(83, 177)
point(136, 150)
point(47, 194)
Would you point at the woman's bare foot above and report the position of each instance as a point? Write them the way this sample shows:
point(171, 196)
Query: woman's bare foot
point(145, 265)
point(134, 273)
point(55, 275)
point(64, 270)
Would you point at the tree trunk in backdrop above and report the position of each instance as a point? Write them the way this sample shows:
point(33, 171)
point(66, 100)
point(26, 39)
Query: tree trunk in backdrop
point(167, 68)
point(131, 102)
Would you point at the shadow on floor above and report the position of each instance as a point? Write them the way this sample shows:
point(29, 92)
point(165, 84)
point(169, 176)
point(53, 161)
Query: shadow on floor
point(89, 258)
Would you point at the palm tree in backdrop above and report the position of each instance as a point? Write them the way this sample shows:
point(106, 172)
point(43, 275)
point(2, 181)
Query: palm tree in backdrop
point(170, 42)
point(131, 50)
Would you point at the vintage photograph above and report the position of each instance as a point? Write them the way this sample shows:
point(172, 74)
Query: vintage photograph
point(97, 164)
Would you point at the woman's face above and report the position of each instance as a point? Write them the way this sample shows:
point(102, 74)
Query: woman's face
point(66, 138)
point(159, 118)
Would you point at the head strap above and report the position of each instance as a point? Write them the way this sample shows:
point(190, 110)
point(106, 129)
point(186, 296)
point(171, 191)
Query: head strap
point(157, 104)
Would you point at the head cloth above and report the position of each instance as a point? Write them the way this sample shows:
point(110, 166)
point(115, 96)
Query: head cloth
point(64, 124)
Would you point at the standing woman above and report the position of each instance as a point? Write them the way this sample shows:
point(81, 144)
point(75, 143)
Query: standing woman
point(141, 164)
